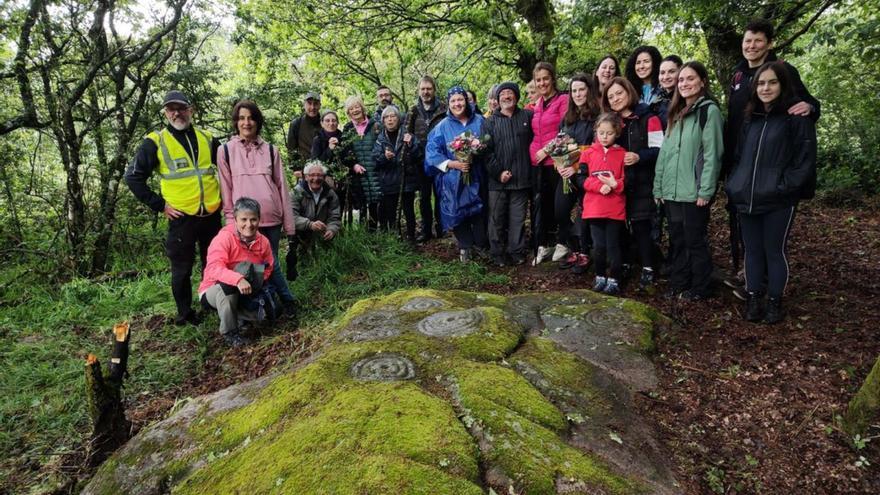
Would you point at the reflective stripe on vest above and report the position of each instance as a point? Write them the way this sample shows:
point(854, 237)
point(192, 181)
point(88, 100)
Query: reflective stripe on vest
point(189, 187)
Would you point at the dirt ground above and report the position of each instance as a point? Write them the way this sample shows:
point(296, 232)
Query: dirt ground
point(744, 408)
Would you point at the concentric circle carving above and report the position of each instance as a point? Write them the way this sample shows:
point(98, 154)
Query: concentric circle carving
point(451, 323)
point(384, 367)
point(605, 317)
point(422, 304)
point(374, 325)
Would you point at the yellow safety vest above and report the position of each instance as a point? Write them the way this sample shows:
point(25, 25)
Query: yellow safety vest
point(189, 187)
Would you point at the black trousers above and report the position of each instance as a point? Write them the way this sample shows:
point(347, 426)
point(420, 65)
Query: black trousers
point(507, 221)
point(544, 181)
point(471, 232)
point(568, 231)
point(184, 234)
point(765, 237)
point(606, 246)
point(429, 211)
point(388, 212)
point(691, 263)
point(641, 235)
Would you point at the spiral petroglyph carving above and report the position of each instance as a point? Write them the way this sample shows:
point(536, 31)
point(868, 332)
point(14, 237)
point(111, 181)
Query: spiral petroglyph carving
point(451, 323)
point(422, 304)
point(383, 367)
point(375, 325)
point(605, 317)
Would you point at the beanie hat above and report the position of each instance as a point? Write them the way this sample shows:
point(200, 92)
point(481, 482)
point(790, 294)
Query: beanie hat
point(508, 85)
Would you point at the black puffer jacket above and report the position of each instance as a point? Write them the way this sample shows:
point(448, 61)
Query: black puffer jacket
point(581, 131)
point(508, 149)
point(776, 162)
point(390, 170)
point(639, 177)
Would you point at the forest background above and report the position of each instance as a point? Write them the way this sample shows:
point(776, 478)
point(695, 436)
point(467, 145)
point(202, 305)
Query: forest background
point(82, 83)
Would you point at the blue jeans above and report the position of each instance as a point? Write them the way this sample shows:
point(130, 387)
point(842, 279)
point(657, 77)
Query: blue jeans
point(277, 278)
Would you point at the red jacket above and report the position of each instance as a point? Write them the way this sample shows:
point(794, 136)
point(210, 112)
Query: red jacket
point(545, 124)
point(228, 250)
point(597, 160)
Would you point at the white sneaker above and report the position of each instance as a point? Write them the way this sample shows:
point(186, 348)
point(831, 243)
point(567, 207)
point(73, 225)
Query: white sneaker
point(544, 254)
point(560, 252)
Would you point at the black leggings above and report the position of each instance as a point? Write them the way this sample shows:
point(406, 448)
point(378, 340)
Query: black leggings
point(544, 181)
point(562, 205)
point(606, 244)
point(692, 262)
point(765, 237)
point(388, 212)
point(641, 235)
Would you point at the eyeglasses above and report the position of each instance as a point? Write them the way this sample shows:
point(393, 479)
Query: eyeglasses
point(315, 176)
point(173, 110)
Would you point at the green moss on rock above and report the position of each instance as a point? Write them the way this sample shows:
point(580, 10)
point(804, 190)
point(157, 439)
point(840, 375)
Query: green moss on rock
point(420, 442)
point(864, 408)
point(495, 339)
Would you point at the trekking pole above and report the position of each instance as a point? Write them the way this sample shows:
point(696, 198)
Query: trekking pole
point(404, 155)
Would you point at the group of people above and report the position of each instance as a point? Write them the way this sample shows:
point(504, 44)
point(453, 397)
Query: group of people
point(598, 171)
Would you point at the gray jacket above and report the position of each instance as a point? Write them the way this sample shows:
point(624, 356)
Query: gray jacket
point(305, 211)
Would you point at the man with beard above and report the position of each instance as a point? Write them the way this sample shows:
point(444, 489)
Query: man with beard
point(423, 116)
point(383, 99)
point(302, 132)
point(189, 194)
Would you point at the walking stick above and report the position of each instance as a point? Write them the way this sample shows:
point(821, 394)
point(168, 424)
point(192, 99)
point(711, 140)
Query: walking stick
point(404, 156)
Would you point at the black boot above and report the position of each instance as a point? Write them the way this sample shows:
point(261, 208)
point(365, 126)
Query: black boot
point(774, 311)
point(754, 309)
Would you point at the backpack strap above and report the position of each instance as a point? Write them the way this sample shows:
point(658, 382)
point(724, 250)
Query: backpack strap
point(226, 152)
point(704, 115)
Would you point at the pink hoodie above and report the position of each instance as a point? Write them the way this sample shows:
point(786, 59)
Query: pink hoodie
point(249, 173)
point(545, 124)
point(228, 250)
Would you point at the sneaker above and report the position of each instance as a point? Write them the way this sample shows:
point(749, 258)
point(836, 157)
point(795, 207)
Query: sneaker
point(647, 279)
point(464, 255)
point(582, 265)
point(499, 261)
point(733, 282)
point(569, 261)
point(517, 259)
point(774, 311)
point(599, 284)
point(190, 318)
point(740, 293)
point(544, 253)
point(611, 287)
point(754, 311)
point(235, 339)
point(560, 252)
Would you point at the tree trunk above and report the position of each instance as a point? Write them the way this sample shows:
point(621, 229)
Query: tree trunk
point(110, 428)
point(725, 48)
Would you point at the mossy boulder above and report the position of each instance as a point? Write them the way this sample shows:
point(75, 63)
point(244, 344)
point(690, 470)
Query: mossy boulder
point(427, 392)
point(864, 408)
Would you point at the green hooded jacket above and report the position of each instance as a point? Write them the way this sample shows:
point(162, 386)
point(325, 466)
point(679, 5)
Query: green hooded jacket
point(690, 158)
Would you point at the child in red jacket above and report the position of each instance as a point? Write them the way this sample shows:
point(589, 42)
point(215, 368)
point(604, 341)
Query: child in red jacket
point(604, 202)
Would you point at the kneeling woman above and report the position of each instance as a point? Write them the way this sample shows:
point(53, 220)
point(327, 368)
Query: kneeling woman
point(237, 253)
point(775, 168)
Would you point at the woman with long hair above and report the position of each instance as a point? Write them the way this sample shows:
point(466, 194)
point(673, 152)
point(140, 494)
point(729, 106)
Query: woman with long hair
point(775, 168)
point(643, 72)
point(607, 69)
point(642, 137)
point(250, 167)
point(686, 177)
point(668, 78)
point(583, 109)
point(548, 113)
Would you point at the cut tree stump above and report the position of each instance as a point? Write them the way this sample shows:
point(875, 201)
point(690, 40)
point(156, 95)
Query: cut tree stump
point(110, 428)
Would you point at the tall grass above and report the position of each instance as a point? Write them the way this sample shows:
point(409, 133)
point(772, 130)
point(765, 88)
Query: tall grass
point(46, 332)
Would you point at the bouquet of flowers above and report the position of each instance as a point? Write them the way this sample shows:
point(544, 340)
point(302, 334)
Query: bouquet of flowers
point(465, 146)
point(564, 151)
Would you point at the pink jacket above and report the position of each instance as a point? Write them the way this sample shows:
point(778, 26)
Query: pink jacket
point(227, 250)
point(601, 161)
point(545, 124)
point(249, 173)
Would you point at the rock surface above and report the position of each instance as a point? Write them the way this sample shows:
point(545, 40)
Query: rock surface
point(427, 392)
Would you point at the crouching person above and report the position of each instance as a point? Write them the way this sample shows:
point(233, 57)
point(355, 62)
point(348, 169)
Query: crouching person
point(316, 210)
point(239, 262)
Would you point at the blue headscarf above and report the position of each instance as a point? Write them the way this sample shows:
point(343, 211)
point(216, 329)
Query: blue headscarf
point(459, 90)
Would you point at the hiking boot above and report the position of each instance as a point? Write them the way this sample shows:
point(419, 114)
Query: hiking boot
point(754, 311)
point(611, 287)
point(499, 261)
point(582, 265)
point(235, 339)
point(569, 261)
point(774, 311)
point(464, 255)
point(560, 252)
point(672, 293)
point(190, 318)
point(544, 253)
point(647, 279)
point(517, 259)
point(599, 284)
